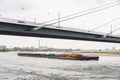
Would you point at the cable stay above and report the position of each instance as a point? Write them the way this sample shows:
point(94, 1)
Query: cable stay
point(111, 32)
point(78, 15)
point(104, 24)
point(80, 12)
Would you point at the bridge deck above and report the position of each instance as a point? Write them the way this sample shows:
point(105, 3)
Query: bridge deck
point(39, 25)
point(26, 28)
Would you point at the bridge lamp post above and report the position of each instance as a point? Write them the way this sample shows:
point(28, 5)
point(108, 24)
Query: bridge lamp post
point(111, 29)
point(34, 20)
point(23, 11)
point(58, 19)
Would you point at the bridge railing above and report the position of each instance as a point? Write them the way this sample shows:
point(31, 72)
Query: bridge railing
point(16, 21)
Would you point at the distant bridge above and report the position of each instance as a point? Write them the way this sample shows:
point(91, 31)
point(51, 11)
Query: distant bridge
point(24, 28)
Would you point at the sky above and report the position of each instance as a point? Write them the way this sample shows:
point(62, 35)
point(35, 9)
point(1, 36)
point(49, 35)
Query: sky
point(43, 10)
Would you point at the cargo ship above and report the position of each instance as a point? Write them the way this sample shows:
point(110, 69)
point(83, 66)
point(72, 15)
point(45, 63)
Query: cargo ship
point(68, 56)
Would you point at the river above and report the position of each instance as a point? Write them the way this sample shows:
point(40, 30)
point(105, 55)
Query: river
point(13, 67)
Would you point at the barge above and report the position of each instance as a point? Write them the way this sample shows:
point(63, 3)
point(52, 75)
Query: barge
point(60, 56)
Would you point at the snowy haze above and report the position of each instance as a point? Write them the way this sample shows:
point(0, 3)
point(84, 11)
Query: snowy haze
point(43, 10)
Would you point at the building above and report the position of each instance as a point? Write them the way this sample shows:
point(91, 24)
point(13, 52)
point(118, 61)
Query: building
point(2, 47)
point(43, 47)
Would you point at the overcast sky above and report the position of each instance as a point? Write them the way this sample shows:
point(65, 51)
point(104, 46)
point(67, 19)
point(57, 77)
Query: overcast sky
point(43, 10)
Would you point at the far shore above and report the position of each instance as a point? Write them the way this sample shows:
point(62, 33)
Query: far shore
point(86, 53)
point(101, 53)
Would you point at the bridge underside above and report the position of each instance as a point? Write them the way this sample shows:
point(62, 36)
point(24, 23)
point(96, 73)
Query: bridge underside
point(28, 30)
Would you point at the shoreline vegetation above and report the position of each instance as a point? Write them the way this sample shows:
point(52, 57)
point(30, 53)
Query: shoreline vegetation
point(108, 52)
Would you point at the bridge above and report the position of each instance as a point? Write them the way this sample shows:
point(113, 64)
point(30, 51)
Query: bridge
point(26, 28)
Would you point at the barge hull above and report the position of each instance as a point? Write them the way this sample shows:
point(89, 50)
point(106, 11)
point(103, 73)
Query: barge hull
point(59, 57)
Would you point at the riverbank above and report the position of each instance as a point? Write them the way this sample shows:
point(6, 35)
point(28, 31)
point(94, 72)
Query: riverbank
point(101, 53)
point(83, 53)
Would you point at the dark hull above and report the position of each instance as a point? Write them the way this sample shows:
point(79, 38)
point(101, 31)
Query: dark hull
point(59, 57)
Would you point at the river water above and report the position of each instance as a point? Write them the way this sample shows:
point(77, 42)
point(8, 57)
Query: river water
point(13, 67)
